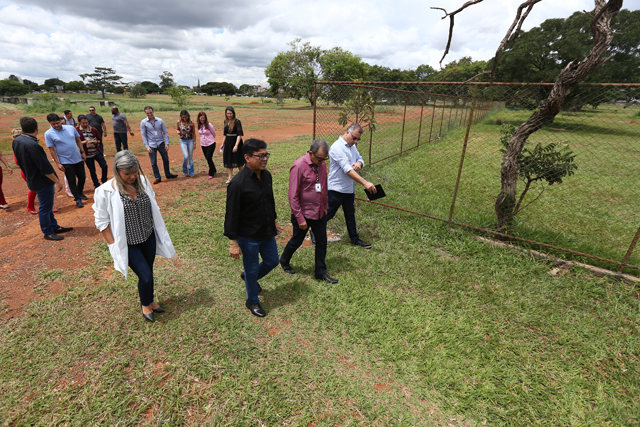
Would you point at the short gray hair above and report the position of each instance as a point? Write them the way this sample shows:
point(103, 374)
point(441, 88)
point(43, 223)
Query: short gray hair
point(319, 144)
point(354, 127)
point(125, 160)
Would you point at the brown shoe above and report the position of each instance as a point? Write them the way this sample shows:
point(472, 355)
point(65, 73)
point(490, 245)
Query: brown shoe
point(157, 181)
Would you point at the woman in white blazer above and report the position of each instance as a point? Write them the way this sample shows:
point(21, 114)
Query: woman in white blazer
point(127, 215)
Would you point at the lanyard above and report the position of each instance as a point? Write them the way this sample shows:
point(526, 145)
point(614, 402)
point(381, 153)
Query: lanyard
point(315, 169)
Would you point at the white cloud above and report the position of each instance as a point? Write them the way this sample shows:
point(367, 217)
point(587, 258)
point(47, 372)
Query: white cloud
point(235, 41)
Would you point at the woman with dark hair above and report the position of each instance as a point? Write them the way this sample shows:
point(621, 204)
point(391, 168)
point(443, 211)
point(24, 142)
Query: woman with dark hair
point(127, 215)
point(187, 131)
point(207, 141)
point(232, 146)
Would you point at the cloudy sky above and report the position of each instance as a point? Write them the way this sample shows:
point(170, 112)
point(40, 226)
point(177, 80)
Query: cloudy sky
point(234, 41)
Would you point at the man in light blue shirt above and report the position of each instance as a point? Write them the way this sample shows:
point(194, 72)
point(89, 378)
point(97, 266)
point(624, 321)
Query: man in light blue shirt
point(346, 161)
point(65, 146)
point(156, 139)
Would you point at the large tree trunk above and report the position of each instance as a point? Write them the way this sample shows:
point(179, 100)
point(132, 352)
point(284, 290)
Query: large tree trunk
point(573, 73)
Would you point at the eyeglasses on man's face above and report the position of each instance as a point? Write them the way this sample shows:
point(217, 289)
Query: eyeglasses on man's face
point(322, 159)
point(356, 138)
point(264, 156)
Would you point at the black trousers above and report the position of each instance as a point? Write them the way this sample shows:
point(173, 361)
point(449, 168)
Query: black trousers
point(208, 154)
point(141, 258)
point(75, 171)
point(319, 228)
point(121, 141)
point(92, 168)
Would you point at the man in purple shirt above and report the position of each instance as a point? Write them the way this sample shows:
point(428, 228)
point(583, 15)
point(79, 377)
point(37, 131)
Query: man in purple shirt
point(308, 198)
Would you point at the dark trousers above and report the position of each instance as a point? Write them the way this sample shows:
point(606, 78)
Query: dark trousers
point(346, 201)
point(153, 156)
point(122, 142)
point(48, 223)
point(92, 168)
point(72, 172)
point(208, 154)
point(319, 228)
point(141, 258)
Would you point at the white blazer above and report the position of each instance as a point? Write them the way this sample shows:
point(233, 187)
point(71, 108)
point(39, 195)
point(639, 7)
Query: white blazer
point(109, 211)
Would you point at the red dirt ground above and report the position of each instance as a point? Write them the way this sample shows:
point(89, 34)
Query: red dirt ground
point(24, 254)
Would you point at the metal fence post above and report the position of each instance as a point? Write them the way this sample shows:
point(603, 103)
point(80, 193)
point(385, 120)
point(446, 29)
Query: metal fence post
point(404, 119)
point(464, 151)
point(433, 115)
point(420, 127)
point(444, 104)
point(634, 242)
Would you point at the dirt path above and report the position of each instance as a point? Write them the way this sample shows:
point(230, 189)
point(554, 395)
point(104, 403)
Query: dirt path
point(28, 262)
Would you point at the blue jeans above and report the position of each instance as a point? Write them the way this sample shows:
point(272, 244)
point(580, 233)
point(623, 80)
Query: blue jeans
point(48, 223)
point(141, 258)
point(153, 156)
point(253, 269)
point(346, 201)
point(187, 156)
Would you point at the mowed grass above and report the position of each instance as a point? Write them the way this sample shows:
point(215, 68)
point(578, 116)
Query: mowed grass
point(429, 327)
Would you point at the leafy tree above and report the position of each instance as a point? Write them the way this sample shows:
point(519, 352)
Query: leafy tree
point(550, 163)
point(52, 83)
point(150, 87)
point(294, 72)
point(425, 72)
point(119, 90)
point(137, 91)
point(30, 84)
point(101, 79)
point(13, 88)
point(359, 109)
point(180, 95)
point(166, 80)
point(377, 73)
point(246, 89)
point(14, 78)
point(219, 88)
point(75, 86)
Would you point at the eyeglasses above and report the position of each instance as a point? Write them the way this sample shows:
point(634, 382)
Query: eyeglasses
point(355, 138)
point(262, 156)
point(322, 159)
point(91, 111)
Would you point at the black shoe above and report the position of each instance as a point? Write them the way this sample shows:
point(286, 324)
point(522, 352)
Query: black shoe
point(312, 237)
point(62, 230)
point(327, 278)
point(255, 309)
point(83, 197)
point(259, 287)
point(79, 204)
point(159, 310)
point(359, 242)
point(157, 181)
point(287, 268)
point(148, 317)
point(53, 237)
point(172, 176)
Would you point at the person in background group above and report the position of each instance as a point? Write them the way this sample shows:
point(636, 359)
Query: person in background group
point(92, 150)
point(68, 119)
point(346, 161)
point(207, 141)
point(309, 203)
point(96, 121)
point(127, 215)
point(40, 175)
point(250, 221)
point(232, 146)
point(66, 149)
point(3, 202)
point(156, 140)
point(120, 128)
point(187, 132)
point(31, 196)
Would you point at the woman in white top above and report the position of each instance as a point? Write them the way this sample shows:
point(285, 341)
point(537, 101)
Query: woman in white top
point(127, 215)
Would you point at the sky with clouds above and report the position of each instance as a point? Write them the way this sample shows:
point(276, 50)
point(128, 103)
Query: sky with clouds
point(211, 40)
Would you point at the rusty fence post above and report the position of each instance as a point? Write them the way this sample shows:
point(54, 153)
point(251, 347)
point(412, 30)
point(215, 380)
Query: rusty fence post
point(373, 116)
point(420, 127)
point(433, 115)
point(315, 104)
point(464, 151)
point(634, 242)
point(444, 105)
point(404, 120)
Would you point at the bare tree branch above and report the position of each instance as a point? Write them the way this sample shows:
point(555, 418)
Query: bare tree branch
point(451, 15)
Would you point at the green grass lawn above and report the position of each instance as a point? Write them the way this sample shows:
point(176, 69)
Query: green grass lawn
point(429, 327)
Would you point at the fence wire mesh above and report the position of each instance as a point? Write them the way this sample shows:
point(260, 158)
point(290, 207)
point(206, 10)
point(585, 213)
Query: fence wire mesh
point(581, 168)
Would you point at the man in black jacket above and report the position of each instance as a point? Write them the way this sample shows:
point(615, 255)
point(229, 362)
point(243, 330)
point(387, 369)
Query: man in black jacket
point(41, 177)
point(250, 221)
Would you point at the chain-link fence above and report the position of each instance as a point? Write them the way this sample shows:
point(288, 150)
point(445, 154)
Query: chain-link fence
point(580, 171)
